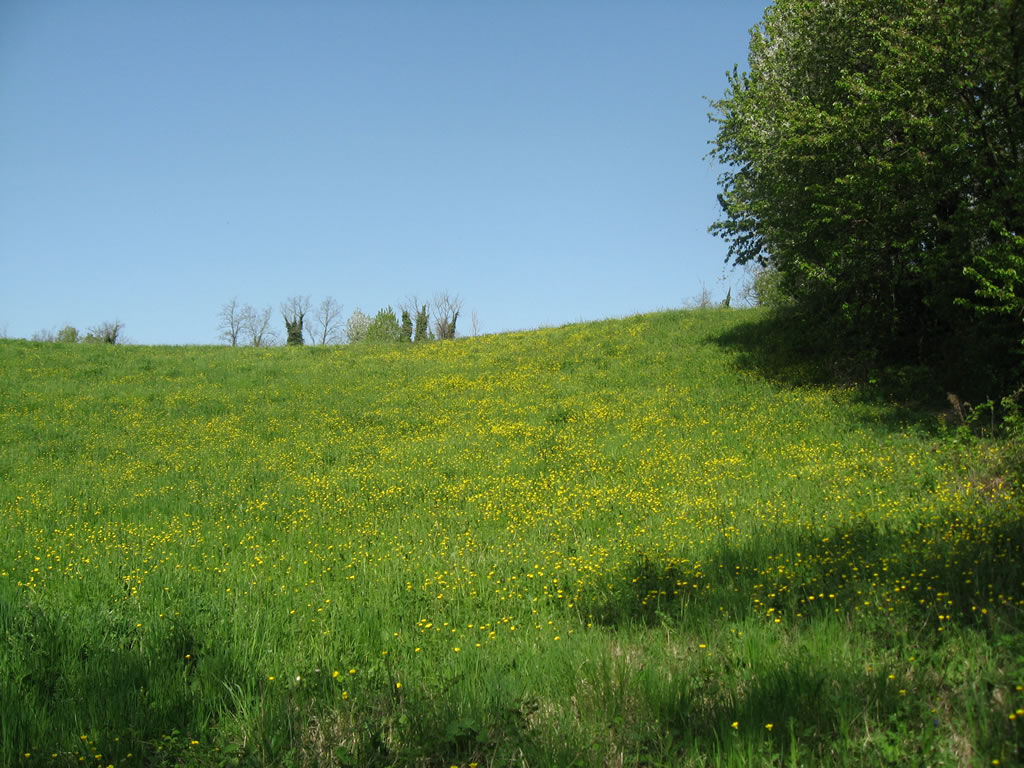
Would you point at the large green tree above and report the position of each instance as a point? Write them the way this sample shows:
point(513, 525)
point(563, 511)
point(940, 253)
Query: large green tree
point(873, 155)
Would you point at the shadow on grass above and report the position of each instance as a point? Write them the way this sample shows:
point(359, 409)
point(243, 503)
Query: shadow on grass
point(80, 683)
point(804, 690)
point(77, 678)
point(940, 571)
point(797, 711)
point(786, 351)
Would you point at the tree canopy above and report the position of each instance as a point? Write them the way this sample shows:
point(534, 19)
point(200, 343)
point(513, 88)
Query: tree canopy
point(873, 156)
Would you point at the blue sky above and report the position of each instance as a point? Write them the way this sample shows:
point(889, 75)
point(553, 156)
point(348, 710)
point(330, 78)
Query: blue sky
point(546, 161)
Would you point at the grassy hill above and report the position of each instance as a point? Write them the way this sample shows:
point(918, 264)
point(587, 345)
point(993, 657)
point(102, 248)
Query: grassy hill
point(602, 544)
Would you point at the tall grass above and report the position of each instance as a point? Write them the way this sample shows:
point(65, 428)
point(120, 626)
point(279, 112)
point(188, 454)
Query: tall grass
point(603, 544)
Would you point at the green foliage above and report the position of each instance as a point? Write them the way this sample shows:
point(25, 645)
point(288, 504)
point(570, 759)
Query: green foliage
point(423, 324)
point(384, 328)
point(1004, 456)
point(873, 158)
point(294, 331)
point(294, 312)
point(1000, 275)
point(1012, 449)
point(766, 288)
point(406, 326)
point(508, 550)
point(68, 334)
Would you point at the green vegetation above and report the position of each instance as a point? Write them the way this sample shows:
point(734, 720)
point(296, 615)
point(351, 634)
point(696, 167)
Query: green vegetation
point(873, 159)
point(384, 328)
point(624, 543)
point(422, 324)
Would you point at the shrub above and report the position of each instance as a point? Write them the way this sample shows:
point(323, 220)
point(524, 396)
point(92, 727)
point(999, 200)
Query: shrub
point(384, 328)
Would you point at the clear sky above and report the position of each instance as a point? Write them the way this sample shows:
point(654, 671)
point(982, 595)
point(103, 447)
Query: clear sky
point(544, 160)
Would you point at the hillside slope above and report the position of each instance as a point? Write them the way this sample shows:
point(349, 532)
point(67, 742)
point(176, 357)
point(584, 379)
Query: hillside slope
point(602, 543)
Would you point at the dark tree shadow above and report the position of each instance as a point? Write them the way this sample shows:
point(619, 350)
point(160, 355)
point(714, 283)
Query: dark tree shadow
point(967, 570)
point(810, 701)
point(790, 352)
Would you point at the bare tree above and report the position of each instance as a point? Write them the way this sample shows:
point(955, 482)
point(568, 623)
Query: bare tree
point(44, 335)
point(326, 327)
point(474, 318)
point(232, 318)
point(255, 326)
point(410, 305)
point(107, 332)
point(701, 301)
point(294, 312)
point(446, 313)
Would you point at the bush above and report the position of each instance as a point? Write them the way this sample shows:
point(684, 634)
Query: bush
point(767, 288)
point(384, 328)
point(68, 333)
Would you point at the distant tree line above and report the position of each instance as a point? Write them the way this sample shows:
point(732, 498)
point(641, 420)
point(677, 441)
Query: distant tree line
point(874, 171)
point(245, 325)
point(414, 321)
point(104, 333)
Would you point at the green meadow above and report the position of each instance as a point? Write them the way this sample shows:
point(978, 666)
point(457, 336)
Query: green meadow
point(619, 543)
